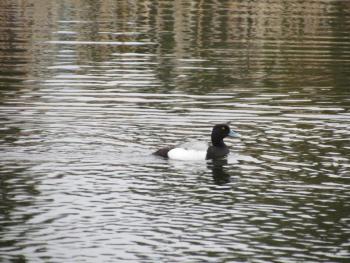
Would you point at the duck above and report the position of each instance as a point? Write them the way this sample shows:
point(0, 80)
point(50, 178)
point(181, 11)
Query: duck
point(190, 151)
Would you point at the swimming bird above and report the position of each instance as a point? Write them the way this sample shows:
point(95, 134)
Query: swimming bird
point(187, 151)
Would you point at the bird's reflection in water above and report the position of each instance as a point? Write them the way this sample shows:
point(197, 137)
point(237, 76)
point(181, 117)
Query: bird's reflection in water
point(219, 171)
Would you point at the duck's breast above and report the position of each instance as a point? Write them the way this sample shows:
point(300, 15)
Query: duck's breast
point(216, 152)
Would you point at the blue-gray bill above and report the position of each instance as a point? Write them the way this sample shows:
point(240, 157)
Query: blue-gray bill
point(234, 134)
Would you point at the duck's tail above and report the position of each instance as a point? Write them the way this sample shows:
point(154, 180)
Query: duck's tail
point(163, 152)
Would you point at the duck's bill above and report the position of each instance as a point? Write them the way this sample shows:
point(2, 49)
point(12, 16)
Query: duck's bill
point(234, 134)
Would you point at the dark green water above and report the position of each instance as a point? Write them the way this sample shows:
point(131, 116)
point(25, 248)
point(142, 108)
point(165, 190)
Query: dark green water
point(89, 89)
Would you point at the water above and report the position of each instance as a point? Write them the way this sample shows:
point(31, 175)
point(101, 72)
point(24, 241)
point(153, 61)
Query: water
point(89, 89)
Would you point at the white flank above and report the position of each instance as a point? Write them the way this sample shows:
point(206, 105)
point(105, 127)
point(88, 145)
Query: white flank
point(186, 155)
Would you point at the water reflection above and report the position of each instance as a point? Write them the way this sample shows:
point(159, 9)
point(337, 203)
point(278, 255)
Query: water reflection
point(89, 89)
point(18, 194)
point(220, 174)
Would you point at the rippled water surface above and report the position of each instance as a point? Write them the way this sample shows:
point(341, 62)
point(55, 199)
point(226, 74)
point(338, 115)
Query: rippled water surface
point(89, 89)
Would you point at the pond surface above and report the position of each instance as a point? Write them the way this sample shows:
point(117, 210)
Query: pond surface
point(89, 89)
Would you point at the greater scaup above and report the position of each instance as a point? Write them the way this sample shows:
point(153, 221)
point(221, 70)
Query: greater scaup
point(217, 148)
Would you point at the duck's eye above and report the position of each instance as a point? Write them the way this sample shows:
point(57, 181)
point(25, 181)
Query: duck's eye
point(223, 128)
